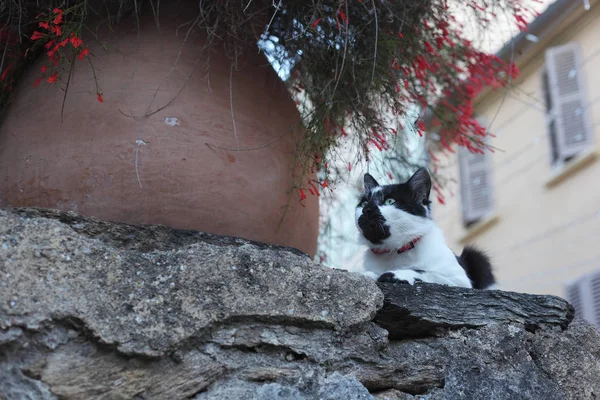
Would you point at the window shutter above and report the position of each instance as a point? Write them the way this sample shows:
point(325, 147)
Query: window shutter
point(572, 126)
point(584, 296)
point(477, 194)
point(573, 291)
point(595, 303)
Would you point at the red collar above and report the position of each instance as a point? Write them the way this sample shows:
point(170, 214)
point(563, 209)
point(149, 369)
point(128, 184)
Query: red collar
point(406, 247)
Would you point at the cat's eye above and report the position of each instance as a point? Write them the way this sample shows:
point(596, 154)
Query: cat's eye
point(362, 204)
point(389, 201)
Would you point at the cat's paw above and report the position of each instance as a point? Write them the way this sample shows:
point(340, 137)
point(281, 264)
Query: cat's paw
point(370, 274)
point(402, 276)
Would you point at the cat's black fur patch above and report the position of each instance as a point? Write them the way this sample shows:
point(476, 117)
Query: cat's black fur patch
point(389, 277)
point(411, 197)
point(478, 267)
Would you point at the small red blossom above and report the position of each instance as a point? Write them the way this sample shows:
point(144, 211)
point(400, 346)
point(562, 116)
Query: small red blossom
point(56, 30)
point(5, 73)
point(100, 98)
point(314, 24)
point(37, 81)
point(429, 47)
point(314, 188)
point(52, 78)
point(44, 25)
point(75, 41)
point(343, 17)
point(324, 184)
point(58, 19)
point(52, 52)
point(83, 53)
point(376, 144)
point(302, 195)
point(36, 35)
point(43, 68)
point(420, 128)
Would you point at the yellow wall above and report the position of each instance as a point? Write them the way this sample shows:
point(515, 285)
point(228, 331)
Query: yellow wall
point(543, 236)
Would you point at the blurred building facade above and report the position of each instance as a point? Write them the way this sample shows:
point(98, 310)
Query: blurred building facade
point(534, 203)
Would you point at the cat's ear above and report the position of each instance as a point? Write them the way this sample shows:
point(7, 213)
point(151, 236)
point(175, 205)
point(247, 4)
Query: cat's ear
point(370, 182)
point(420, 184)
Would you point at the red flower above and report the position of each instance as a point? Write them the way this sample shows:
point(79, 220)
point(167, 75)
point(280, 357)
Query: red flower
point(428, 47)
point(314, 24)
point(324, 184)
point(37, 81)
point(315, 188)
point(420, 128)
point(59, 16)
point(37, 35)
point(52, 52)
point(43, 68)
point(75, 41)
point(302, 195)
point(100, 99)
point(44, 25)
point(376, 144)
point(83, 53)
point(56, 30)
point(5, 73)
point(52, 78)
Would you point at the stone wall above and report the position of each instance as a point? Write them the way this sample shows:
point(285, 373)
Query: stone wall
point(99, 310)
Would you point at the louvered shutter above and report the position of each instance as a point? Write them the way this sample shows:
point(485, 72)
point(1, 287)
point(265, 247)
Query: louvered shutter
point(477, 192)
point(574, 295)
point(571, 122)
point(584, 295)
point(595, 303)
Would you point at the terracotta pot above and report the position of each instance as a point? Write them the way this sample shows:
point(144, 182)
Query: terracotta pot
point(150, 153)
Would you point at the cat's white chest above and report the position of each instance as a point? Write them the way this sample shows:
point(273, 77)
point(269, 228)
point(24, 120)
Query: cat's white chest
point(431, 257)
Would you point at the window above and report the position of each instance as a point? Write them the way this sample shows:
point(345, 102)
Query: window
point(476, 186)
point(569, 126)
point(584, 295)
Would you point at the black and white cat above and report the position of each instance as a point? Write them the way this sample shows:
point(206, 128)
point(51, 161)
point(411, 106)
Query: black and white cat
point(404, 242)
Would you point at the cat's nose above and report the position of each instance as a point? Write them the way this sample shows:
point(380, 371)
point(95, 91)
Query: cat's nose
point(367, 210)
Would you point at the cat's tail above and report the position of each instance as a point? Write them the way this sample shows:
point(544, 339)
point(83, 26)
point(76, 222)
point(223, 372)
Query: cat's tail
point(478, 268)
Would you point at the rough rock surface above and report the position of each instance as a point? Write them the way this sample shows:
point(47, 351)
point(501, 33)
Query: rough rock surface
point(98, 310)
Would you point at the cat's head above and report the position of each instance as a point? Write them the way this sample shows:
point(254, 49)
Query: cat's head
point(389, 216)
